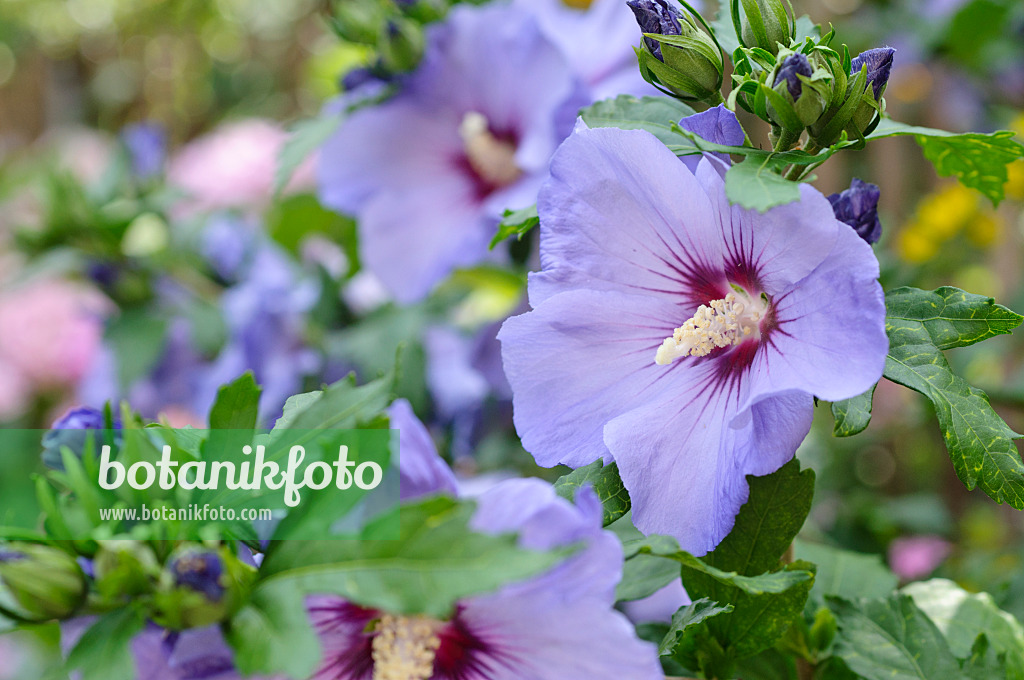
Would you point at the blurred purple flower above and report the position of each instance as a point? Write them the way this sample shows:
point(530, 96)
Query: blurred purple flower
point(266, 319)
point(159, 654)
point(916, 557)
point(659, 607)
point(597, 41)
point(879, 63)
point(429, 172)
point(147, 147)
point(69, 431)
point(423, 472)
point(748, 316)
point(227, 241)
point(858, 207)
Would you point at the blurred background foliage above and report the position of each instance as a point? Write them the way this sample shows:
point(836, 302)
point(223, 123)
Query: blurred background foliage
point(74, 73)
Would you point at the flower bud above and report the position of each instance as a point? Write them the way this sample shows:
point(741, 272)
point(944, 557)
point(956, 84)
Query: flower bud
point(357, 21)
point(802, 100)
point(46, 582)
point(124, 569)
point(858, 207)
point(200, 586)
point(877, 64)
point(675, 54)
point(72, 430)
point(401, 45)
point(765, 24)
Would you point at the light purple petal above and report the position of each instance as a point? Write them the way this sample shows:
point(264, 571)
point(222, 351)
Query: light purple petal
point(658, 607)
point(423, 472)
point(830, 342)
point(580, 359)
point(539, 636)
point(719, 125)
point(621, 212)
point(413, 239)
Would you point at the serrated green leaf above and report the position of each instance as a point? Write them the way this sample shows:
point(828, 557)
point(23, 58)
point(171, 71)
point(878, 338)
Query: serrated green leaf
point(342, 405)
point(688, 625)
point(654, 114)
point(963, 616)
point(767, 523)
point(978, 160)
point(104, 651)
point(845, 573)
point(754, 185)
point(891, 639)
point(437, 561)
point(952, 317)
point(605, 481)
point(985, 662)
point(515, 223)
point(306, 136)
point(852, 416)
point(272, 634)
point(980, 444)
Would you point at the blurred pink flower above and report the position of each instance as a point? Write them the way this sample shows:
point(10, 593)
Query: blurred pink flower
point(15, 392)
point(915, 557)
point(234, 167)
point(52, 331)
point(13, 657)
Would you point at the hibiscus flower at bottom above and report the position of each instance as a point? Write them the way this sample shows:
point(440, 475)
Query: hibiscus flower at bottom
point(559, 625)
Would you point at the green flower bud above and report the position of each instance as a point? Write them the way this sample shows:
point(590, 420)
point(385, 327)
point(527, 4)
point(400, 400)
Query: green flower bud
point(358, 21)
point(675, 54)
point(125, 569)
point(401, 45)
point(46, 582)
point(200, 586)
point(765, 24)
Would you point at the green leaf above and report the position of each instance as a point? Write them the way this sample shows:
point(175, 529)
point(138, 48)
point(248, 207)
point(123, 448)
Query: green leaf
point(725, 32)
point(644, 575)
point(605, 481)
point(306, 137)
point(437, 561)
point(343, 405)
point(688, 626)
point(852, 416)
point(985, 662)
point(756, 186)
point(845, 573)
point(272, 634)
point(768, 583)
point(104, 651)
point(980, 444)
point(237, 405)
point(952, 317)
point(891, 639)
point(963, 616)
point(654, 114)
point(978, 160)
point(767, 523)
point(515, 223)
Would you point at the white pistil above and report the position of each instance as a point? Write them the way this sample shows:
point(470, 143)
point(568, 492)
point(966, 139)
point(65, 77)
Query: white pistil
point(720, 323)
point(404, 647)
point(493, 159)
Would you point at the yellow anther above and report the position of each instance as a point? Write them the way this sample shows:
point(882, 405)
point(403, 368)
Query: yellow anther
point(493, 159)
point(720, 323)
point(404, 647)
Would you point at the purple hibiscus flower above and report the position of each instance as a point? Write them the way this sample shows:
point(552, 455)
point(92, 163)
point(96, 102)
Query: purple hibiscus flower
point(429, 172)
point(681, 336)
point(858, 207)
point(597, 38)
point(160, 654)
point(556, 626)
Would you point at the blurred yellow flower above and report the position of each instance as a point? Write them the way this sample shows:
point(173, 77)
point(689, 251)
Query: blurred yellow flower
point(940, 216)
point(1015, 183)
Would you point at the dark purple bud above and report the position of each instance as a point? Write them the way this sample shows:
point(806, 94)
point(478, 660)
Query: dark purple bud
point(858, 207)
point(792, 66)
point(71, 430)
point(879, 63)
point(656, 16)
point(200, 571)
point(147, 145)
